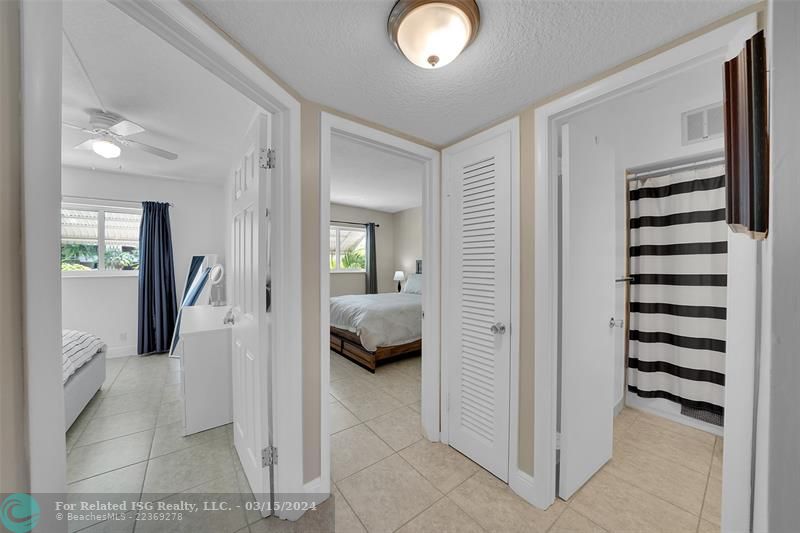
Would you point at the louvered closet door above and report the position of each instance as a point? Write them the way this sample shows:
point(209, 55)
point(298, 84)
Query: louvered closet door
point(477, 309)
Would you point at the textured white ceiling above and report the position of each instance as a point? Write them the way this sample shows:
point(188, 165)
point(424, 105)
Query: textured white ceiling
point(366, 176)
point(184, 108)
point(337, 53)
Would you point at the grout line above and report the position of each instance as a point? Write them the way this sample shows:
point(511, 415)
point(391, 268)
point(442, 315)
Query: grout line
point(349, 505)
point(708, 480)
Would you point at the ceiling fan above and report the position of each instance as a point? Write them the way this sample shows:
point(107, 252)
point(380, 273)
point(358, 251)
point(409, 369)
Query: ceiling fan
point(110, 134)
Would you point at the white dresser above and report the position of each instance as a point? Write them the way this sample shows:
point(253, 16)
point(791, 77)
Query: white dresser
point(205, 352)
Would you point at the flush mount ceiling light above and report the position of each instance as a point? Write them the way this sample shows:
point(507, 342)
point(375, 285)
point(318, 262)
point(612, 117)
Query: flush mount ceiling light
point(432, 33)
point(106, 149)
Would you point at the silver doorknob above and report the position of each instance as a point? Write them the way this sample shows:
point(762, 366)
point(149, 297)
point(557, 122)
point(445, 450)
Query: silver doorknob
point(498, 328)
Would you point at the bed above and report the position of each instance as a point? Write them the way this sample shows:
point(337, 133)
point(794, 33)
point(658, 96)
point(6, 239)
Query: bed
point(372, 329)
point(84, 370)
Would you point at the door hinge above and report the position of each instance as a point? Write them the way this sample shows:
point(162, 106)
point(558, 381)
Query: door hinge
point(269, 456)
point(267, 158)
point(558, 441)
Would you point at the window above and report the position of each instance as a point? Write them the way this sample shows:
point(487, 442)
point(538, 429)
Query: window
point(98, 240)
point(348, 250)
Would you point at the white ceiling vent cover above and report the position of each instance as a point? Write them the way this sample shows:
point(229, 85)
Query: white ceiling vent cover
point(702, 124)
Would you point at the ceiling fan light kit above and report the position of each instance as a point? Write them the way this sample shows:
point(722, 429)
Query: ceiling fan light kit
point(106, 149)
point(432, 33)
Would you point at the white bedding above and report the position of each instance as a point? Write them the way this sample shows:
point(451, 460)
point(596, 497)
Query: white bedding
point(386, 319)
point(77, 348)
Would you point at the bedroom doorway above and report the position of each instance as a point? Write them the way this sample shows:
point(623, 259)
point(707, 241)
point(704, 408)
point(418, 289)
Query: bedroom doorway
point(127, 415)
point(379, 298)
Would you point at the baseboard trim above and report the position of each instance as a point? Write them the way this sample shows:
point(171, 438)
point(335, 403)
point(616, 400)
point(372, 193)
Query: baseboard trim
point(113, 352)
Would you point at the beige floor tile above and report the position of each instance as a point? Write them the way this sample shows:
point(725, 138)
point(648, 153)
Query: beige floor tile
point(117, 486)
point(656, 439)
point(143, 388)
point(354, 449)
point(406, 390)
point(670, 481)
point(496, 508)
point(712, 507)
point(77, 427)
point(112, 426)
point(113, 526)
point(93, 459)
point(350, 386)
point(370, 404)
point(341, 418)
point(399, 428)
point(416, 406)
point(170, 438)
point(572, 521)
point(388, 494)
point(172, 393)
point(170, 413)
point(617, 505)
point(125, 403)
point(443, 466)
point(716, 461)
point(346, 520)
point(675, 427)
point(443, 516)
point(180, 471)
point(708, 527)
point(623, 421)
point(220, 490)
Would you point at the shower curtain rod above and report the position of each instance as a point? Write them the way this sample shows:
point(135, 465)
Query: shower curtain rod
point(78, 198)
point(353, 223)
point(698, 161)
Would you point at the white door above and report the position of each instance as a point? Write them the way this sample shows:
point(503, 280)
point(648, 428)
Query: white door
point(587, 285)
point(250, 332)
point(476, 303)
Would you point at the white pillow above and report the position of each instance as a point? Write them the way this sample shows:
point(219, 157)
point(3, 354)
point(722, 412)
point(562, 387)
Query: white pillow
point(413, 284)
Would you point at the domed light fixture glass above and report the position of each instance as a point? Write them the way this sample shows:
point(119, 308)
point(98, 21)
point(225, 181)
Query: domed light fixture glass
point(432, 33)
point(106, 149)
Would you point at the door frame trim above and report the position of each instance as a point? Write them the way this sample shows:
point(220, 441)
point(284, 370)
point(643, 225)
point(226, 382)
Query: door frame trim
point(330, 125)
point(715, 43)
point(518, 481)
point(189, 32)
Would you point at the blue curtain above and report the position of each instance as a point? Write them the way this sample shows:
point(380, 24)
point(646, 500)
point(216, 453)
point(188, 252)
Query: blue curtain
point(372, 262)
point(157, 302)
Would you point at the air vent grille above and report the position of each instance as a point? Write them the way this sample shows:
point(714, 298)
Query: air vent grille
point(702, 124)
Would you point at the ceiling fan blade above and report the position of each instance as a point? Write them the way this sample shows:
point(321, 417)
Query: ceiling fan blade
point(75, 127)
point(123, 128)
point(151, 149)
point(85, 145)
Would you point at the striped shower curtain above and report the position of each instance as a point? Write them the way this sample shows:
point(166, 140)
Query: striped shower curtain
point(678, 261)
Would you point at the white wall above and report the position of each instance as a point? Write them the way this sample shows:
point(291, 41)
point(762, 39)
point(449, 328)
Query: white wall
point(408, 239)
point(107, 306)
point(355, 283)
point(778, 442)
point(644, 127)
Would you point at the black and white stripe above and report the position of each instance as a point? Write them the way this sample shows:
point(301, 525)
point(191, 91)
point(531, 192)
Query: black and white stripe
point(78, 347)
point(678, 257)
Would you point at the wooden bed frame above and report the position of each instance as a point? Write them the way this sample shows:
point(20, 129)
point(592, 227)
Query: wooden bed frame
point(349, 345)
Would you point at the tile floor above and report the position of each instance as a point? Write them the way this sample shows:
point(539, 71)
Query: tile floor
point(387, 477)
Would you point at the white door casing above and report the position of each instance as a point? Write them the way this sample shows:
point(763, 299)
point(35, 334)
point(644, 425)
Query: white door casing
point(477, 300)
point(587, 285)
point(251, 330)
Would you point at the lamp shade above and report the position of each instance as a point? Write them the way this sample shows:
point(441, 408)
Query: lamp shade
point(399, 276)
